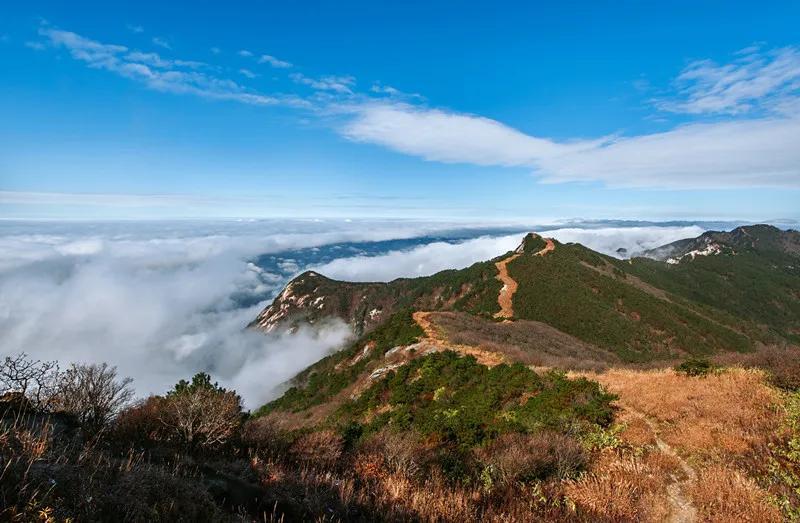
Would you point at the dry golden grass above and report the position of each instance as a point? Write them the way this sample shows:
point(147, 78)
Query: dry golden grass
point(723, 495)
point(624, 488)
point(719, 425)
point(714, 418)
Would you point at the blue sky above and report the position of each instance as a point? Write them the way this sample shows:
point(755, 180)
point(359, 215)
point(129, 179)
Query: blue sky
point(501, 111)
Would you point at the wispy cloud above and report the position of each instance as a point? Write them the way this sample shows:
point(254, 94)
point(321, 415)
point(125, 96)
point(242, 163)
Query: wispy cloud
point(247, 73)
point(155, 60)
point(754, 80)
point(215, 50)
point(752, 142)
point(745, 153)
point(274, 62)
point(36, 46)
point(135, 28)
point(156, 73)
point(338, 84)
point(160, 42)
point(384, 89)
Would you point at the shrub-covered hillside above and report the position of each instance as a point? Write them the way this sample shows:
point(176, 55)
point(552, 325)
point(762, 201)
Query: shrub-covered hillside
point(583, 294)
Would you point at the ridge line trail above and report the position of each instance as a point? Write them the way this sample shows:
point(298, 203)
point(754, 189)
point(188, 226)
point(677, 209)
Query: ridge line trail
point(433, 335)
point(504, 298)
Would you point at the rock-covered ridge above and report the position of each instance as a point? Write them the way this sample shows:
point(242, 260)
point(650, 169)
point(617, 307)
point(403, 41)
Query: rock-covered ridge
point(312, 298)
point(759, 238)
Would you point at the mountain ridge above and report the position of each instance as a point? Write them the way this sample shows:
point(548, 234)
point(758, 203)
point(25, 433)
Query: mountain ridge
point(640, 309)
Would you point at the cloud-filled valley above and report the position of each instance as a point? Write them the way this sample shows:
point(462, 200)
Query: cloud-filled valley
point(165, 300)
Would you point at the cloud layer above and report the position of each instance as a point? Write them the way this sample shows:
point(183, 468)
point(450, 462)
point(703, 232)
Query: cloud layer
point(163, 301)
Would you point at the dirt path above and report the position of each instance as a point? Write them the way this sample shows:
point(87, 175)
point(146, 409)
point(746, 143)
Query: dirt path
point(506, 295)
point(550, 246)
point(681, 508)
point(427, 327)
point(504, 299)
point(440, 343)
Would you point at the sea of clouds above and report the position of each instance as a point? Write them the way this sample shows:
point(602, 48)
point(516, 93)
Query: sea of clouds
point(162, 301)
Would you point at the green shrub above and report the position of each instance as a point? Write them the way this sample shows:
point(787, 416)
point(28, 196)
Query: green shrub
point(696, 367)
point(455, 400)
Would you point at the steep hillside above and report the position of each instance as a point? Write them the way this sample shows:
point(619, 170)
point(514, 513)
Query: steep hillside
point(751, 273)
point(762, 239)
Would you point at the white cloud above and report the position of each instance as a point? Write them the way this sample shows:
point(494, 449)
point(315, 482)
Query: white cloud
point(215, 50)
point(155, 60)
point(274, 62)
point(420, 261)
point(449, 137)
point(755, 79)
point(634, 240)
point(154, 72)
point(247, 73)
point(135, 28)
point(158, 300)
point(245, 53)
point(36, 46)
point(337, 84)
point(160, 42)
point(740, 153)
point(384, 89)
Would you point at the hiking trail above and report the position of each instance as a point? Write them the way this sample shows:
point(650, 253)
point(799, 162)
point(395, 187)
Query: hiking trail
point(506, 295)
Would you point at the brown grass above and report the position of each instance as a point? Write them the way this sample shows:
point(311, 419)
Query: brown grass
point(717, 417)
point(723, 495)
point(624, 488)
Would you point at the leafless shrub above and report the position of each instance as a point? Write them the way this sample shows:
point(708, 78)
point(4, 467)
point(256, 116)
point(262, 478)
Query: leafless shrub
point(93, 394)
point(201, 418)
point(522, 457)
point(321, 448)
point(140, 424)
point(262, 434)
point(781, 363)
point(401, 452)
point(36, 380)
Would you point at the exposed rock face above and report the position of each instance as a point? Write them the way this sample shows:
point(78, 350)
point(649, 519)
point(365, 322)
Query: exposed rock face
point(313, 298)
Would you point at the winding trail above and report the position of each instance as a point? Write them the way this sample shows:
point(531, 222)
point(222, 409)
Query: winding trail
point(504, 299)
point(681, 508)
point(506, 295)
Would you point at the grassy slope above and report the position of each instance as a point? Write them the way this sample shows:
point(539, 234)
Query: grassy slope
point(738, 285)
point(607, 310)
